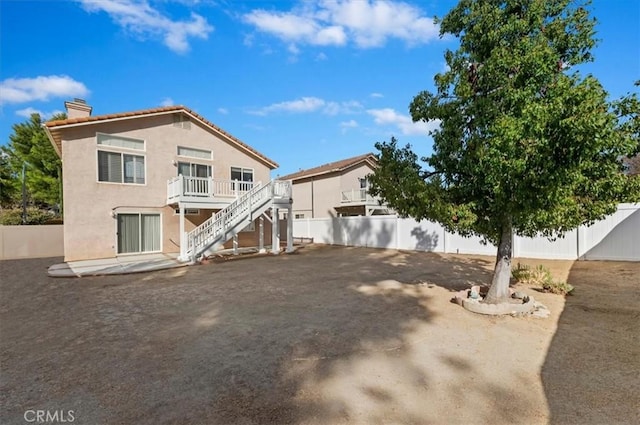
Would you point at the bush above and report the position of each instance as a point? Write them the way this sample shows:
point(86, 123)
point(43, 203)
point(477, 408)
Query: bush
point(13, 217)
point(540, 276)
point(561, 288)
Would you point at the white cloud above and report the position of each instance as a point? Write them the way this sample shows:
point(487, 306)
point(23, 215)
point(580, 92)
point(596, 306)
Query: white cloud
point(167, 101)
point(365, 23)
point(142, 19)
point(42, 88)
point(27, 112)
point(404, 123)
point(378, 95)
point(321, 57)
point(223, 111)
point(349, 107)
point(293, 49)
point(346, 125)
point(311, 104)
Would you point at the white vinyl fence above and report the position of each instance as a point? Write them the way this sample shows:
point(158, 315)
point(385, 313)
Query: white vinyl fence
point(617, 237)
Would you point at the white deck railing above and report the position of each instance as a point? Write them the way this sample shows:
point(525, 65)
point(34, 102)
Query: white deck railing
point(356, 195)
point(205, 187)
point(205, 234)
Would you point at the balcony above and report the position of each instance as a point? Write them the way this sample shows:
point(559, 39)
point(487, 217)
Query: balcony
point(357, 197)
point(205, 192)
point(360, 202)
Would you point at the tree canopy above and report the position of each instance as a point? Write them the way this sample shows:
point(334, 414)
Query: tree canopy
point(29, 147)
point(526, 143)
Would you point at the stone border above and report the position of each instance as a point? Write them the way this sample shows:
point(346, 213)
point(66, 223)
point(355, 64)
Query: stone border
point(499, 309)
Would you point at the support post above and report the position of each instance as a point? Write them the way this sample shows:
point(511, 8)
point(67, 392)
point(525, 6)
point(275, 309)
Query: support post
point(261, 242)
point(275, 232)
point(183, 234)
point(235, 244)
point(289, 229)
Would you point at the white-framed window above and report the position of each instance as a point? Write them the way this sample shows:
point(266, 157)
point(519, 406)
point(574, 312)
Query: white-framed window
point(113, 141)
point(299, 216)
point(181, 121)
point(194, 153)
point(191, 169)
point(138, 232)
point(363, 183)
point(120, 167)
point(243, 175)
point(188, 211)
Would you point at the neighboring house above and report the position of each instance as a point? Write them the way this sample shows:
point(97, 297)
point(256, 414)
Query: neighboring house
point(633, 165)
point(335, 189)
point(151, 180)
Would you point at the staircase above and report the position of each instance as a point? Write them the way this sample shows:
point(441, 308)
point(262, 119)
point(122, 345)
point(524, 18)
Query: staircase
point(226, 223)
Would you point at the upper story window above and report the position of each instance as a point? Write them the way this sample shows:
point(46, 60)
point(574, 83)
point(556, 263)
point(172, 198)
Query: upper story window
point(189, 169)
point(181, 121)
point(117, 166)
point(119, 141)
point(363, 182)
point(242, 175)
point(194, 153)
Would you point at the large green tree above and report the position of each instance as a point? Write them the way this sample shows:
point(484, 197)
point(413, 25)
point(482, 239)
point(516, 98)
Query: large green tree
point(29, 148)
point(526, 144)
point(7, 181)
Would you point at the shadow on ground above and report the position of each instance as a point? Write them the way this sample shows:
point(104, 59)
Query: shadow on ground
point(327, 335)
point(591, 372)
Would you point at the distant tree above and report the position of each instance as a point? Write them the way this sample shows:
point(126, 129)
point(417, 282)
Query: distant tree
point(29, 146)
point(526, 144)
point(8, 190)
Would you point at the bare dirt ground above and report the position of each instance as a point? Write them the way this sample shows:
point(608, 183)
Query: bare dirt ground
point(328, 335)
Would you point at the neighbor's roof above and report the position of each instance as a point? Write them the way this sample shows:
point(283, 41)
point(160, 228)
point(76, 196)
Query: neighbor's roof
point(55, 128)
point(332, 167)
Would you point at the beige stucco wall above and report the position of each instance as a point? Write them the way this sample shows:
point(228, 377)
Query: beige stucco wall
point(31, 241)
point(327, 191)
point(89, 205)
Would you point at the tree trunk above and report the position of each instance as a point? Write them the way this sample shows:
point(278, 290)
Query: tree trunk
point(499, 290)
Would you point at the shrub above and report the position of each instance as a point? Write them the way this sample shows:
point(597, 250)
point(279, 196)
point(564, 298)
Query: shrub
point(562, 288)
point(531, 276)
point(13, 217)
point(540, 276)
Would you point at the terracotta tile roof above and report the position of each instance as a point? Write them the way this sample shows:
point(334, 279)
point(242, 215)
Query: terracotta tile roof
point(55, 126)
point(330, 167)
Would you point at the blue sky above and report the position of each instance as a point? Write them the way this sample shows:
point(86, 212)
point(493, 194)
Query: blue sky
point(304, 82)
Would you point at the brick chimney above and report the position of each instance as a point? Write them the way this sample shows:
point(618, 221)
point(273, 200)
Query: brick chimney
point(77, 108)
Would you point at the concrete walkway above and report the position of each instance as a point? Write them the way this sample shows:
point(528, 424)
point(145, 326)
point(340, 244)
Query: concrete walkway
point(118, 265)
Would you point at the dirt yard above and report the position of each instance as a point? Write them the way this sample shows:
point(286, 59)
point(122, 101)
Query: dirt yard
point(328, 335)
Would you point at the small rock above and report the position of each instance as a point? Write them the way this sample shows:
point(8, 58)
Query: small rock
point(541, 314)
point(519, 295)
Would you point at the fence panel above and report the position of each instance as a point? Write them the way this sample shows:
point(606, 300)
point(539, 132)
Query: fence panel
point(31, 241)
point(565, 248)
point(617, 237)
point(420, 236)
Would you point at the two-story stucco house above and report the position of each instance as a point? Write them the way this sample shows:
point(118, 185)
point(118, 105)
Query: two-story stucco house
point(335, 189)
point(154, 180)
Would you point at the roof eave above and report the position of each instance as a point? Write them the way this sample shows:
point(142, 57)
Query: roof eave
point(333, 170)
point(267, 161)
point(52, 140)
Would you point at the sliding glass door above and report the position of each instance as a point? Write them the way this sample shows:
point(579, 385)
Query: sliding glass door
point(138, 233)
